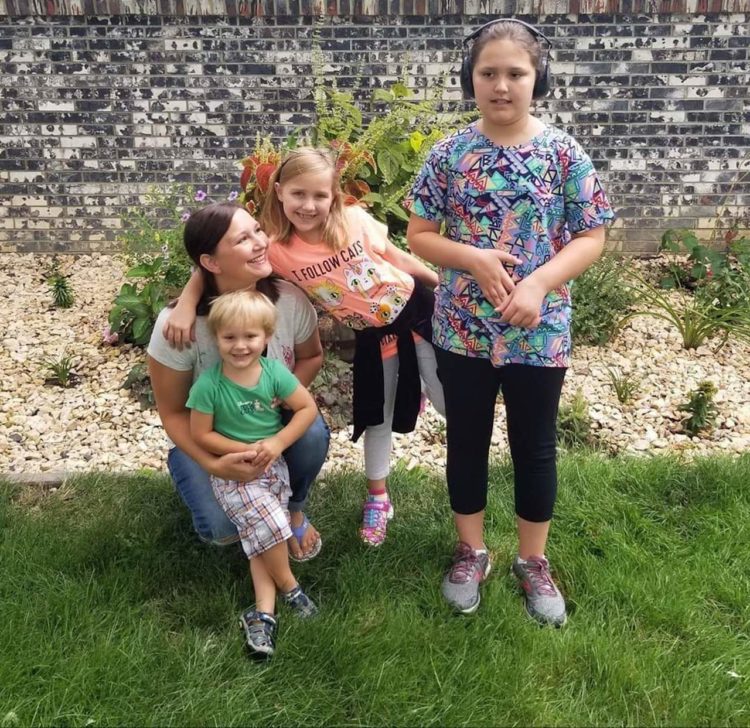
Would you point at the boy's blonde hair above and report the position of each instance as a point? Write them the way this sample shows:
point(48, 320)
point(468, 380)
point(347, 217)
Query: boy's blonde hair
point(305, 160)
point(242, 308)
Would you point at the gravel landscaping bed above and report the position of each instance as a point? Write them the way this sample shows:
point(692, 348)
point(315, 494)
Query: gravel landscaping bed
point(98, 425)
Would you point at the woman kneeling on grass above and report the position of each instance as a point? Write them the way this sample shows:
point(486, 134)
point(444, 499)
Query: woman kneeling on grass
point(229, 248)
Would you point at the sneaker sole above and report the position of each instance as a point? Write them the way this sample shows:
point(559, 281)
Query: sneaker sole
point(473, 608)
point(545, 622)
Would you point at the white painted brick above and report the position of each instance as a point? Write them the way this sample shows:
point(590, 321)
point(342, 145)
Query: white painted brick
point(22, 176)
point(141, 142)
point(78, 142)
point(176, 106)
point(56, 106)
point(705, 93)
point(58, 130)
point(674, 80)
point(27, 201)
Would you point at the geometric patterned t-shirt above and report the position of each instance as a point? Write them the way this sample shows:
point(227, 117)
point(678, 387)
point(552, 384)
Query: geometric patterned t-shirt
point(527, 200)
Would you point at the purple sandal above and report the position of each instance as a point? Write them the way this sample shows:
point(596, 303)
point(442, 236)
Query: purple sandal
point(299, 533)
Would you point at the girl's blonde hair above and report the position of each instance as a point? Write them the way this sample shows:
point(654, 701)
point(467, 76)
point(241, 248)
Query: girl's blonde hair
point(242, 308)
point(305, 160)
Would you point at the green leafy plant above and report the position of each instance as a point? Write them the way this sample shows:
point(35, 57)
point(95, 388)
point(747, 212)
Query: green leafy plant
point(380, 144)
point(723, 260)
point(138, 383)
point(159, 265)
point(600, 296)
point(702, 260)
point(574, 424)
point(625, 386)
point(725, 273)
point(385, 157)
point(700, 408)
point(61, 371)
point(136, 307)
point(59, 285)
point(697, 318)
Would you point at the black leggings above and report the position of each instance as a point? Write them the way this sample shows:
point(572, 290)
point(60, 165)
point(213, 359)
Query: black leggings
point(531, 396)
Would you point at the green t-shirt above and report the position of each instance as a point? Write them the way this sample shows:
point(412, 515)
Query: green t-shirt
point(245, 414)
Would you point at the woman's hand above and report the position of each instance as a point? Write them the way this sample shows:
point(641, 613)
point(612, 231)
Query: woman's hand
point(489, 272)
point(240, 466)
point(523, 306)
point(268, 451)
point(179, 329)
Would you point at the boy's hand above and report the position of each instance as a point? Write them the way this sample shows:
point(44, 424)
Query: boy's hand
point(238, 466)
point(268, 450)
point(490, 273)
point(179, 329)
point(523, 306)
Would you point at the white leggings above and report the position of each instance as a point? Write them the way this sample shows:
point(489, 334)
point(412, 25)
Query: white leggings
point(378, 437)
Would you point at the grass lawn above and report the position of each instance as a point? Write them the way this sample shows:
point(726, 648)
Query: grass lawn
point(112, 613)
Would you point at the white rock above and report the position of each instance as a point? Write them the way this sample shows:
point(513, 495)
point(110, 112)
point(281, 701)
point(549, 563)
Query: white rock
point(98, 425)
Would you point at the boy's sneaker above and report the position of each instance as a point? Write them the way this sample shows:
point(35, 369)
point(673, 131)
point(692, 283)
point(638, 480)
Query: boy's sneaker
point(375, 517)
point(543, 599)
point(260, 632)
point(300, 603)
point(461, 584)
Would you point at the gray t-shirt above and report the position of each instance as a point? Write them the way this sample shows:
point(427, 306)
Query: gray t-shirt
point(297, 321)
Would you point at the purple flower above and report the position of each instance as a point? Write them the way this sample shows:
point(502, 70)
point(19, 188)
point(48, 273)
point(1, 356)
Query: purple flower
point(200, 195)
point(185, 216)
point(108, 336)
point(233, 195)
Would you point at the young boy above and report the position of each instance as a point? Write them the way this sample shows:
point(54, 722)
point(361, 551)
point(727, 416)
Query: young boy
point(238, 402)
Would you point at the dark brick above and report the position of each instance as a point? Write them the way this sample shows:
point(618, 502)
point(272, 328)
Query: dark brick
point(626, 100)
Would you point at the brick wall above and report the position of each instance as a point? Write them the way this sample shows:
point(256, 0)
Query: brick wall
point(104, 98)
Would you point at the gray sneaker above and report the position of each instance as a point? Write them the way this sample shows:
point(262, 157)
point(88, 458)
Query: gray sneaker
point(543, 599)
point(300, 603)
point(467, 572)
point(260, 633)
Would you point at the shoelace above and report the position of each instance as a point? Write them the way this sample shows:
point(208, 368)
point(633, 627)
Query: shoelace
point(373, 517)
point(464, 566)
point(539, 575)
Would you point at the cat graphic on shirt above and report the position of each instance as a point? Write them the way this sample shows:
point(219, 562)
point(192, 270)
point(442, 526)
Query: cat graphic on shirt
point(362, 275)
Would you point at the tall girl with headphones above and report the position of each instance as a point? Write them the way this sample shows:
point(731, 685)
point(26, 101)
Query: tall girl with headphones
point(510, 210)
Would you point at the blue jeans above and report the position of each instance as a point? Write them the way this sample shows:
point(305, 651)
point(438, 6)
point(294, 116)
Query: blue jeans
point(305, 459)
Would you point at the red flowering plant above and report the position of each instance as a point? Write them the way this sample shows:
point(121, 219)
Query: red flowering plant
point(256, 174)
point(258, 167)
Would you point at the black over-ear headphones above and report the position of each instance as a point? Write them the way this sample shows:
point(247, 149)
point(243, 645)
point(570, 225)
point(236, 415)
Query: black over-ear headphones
point(543, 81)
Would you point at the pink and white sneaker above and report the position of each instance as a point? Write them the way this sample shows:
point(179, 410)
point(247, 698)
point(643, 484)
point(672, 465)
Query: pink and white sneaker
point(375, 517)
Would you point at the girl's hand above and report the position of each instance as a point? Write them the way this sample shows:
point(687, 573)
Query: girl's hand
point(489, 272)
point(523, 306)
point(179, 329)
point(268, 450)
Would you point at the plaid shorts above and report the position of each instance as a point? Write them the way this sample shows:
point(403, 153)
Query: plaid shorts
point(258, 508)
